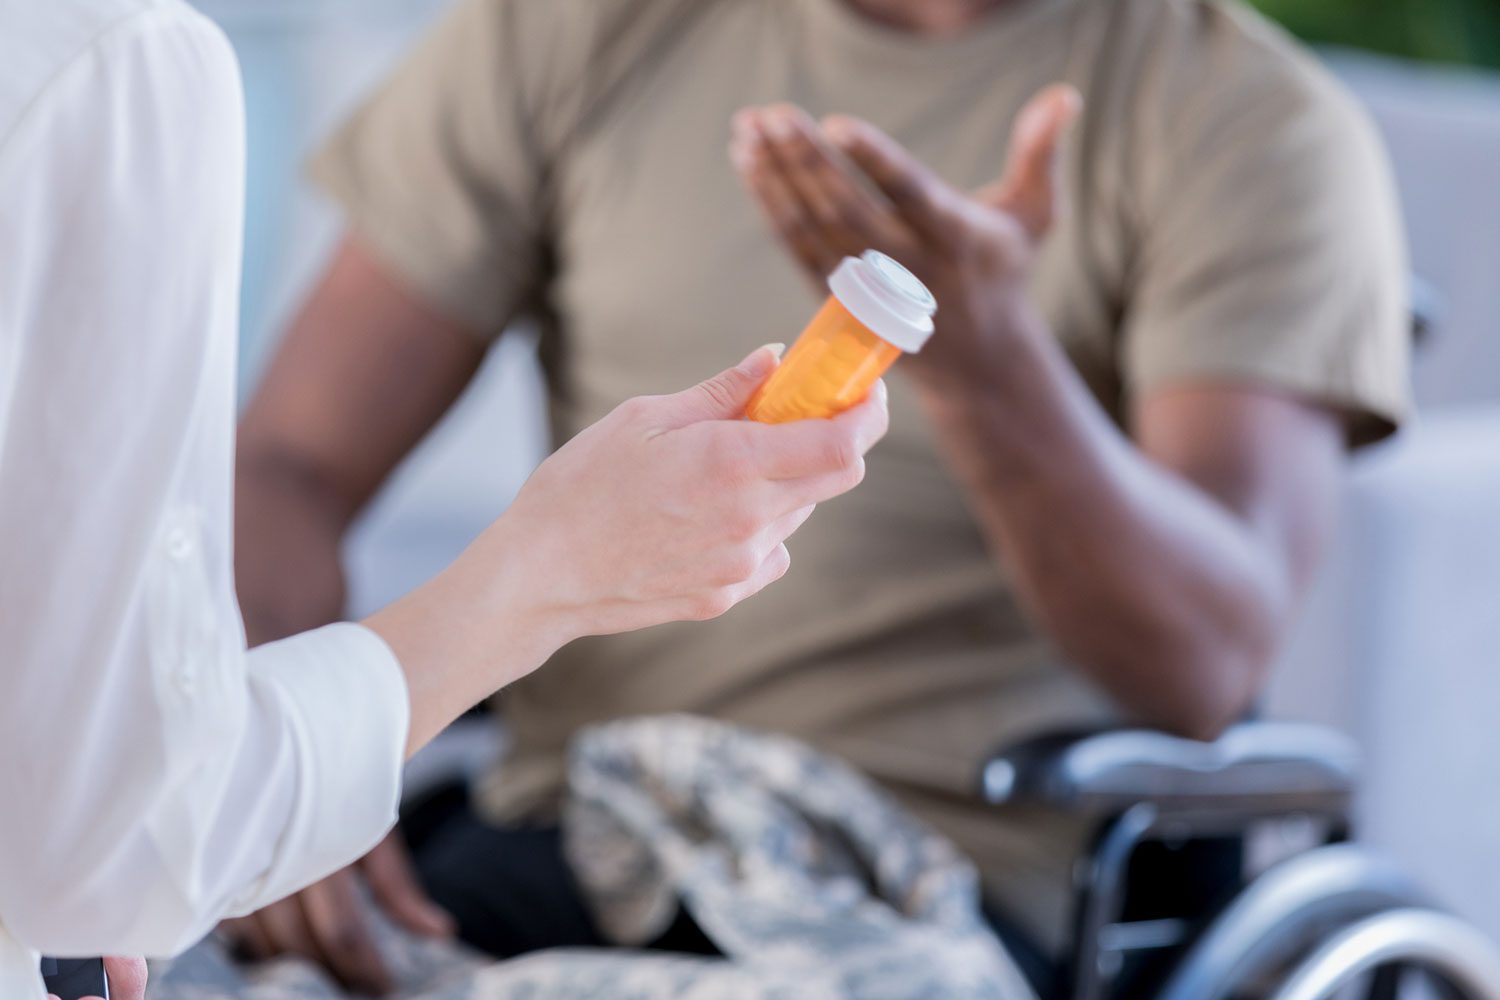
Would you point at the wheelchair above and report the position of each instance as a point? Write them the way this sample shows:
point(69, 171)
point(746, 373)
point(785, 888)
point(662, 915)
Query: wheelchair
point(1331, 921)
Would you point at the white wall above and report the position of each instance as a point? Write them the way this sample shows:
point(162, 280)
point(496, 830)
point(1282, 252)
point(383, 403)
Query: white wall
point(1400, 646)
point(1442, 127)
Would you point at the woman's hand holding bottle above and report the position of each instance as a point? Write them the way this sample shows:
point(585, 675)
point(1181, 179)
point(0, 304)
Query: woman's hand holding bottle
point(670, 508)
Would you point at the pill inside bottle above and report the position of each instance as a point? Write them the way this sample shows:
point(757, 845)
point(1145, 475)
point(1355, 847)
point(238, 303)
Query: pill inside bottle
point(877, 311)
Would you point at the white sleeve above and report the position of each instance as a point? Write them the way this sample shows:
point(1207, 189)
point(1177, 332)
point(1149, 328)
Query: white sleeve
point(154, 776)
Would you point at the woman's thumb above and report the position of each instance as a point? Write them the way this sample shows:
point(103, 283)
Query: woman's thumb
point(725, 396)
point(127, 978)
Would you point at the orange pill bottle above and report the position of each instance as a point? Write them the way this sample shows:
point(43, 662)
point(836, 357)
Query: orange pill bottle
point(877, 311)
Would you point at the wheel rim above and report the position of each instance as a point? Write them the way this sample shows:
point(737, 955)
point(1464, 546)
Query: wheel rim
point(1426, 939)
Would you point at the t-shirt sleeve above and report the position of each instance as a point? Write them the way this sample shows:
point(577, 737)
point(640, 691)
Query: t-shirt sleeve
point(443, 173)
point(1272, 248)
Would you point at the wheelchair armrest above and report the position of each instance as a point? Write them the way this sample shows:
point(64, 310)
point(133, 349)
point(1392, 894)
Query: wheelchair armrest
point(1257, 768)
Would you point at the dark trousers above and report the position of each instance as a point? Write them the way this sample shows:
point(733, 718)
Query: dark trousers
point(511, 890)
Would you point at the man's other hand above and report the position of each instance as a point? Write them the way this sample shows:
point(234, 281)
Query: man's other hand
point(324, 924)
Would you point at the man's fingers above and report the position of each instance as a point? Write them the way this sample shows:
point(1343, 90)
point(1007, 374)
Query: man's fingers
point(853, 214)
point(323, 924)
point(791, 224)
point(341, 934)
point(389, 872)
point(286, 930)
point(1029, 189)
point(248, 939)
point(781, 206)
point(926, 202)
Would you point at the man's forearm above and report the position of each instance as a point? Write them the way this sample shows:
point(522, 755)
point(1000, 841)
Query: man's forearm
point(288, 534)
point(1165, 571)
point(1154, 588)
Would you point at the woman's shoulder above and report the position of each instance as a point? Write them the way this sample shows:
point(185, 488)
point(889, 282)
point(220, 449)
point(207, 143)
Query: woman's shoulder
point(42, 41)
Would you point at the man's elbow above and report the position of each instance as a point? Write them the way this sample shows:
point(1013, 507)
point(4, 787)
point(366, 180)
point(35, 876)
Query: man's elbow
point(1205, 723)
point(289, 526)
point(1186, 680)
point(1206, 691)
point(272, 470)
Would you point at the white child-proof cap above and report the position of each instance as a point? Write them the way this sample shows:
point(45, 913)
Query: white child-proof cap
point(885, 297)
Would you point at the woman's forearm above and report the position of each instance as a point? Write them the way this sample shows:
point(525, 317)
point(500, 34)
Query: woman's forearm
point(471, 630)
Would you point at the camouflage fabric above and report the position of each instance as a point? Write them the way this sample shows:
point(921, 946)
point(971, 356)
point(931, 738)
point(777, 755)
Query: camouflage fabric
point(809, 880)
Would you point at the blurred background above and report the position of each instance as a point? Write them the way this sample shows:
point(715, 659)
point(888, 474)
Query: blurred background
point(1400, 646)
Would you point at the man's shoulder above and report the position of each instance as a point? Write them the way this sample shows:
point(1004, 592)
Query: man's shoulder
point(1205, 64)
point(42, 39)
point(1225, 44)
point(589, 30)
point(574, 57)
point(614, 16)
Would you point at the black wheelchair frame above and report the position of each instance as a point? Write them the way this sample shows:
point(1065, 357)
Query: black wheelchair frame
point(1306, 927)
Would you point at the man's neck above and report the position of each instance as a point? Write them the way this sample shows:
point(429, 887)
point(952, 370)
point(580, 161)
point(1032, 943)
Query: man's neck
point(926, 17)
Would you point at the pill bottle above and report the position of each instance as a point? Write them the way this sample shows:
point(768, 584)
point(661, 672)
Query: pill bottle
point(877, 311)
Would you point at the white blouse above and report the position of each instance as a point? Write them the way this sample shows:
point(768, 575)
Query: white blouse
point(154, 775)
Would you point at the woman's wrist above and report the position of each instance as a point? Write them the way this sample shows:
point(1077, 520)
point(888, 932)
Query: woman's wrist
point(481, 624)
point(512, 573)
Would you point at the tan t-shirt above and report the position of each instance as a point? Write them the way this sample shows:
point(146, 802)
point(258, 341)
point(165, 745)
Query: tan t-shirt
point(1231, 218)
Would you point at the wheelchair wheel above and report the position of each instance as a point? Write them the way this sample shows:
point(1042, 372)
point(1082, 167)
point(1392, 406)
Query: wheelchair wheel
point(1455, 957)
point(1282, 917)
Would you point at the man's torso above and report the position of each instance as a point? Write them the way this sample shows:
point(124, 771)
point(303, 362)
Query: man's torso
point(602, 173)
point(895, 640)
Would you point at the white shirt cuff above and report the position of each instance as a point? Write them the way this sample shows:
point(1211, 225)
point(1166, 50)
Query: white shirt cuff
point(345, 694)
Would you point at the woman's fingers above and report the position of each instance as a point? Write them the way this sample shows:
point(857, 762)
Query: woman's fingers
point(786, 526)
point(657, 513)
point(127, 978)
point(773, 568)
point(722, 397)
point(710, 604)
point(818, 448)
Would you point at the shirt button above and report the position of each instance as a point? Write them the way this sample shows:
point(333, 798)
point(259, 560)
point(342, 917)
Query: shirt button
point(179, 543)
point(184, 679)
